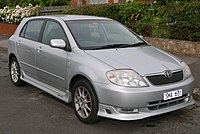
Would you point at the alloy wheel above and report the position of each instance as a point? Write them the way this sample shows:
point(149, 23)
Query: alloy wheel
point(14, 71)
point(83, 102)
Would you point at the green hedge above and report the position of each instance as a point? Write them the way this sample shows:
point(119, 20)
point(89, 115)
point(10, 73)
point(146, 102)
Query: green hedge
point(127, 14)
point(178, 20)
point(110, 11)
point(187, 18)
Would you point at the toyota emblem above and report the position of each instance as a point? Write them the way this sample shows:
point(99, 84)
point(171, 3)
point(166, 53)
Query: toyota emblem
point(168, 74)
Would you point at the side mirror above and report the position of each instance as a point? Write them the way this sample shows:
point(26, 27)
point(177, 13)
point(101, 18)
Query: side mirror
point(57, 43)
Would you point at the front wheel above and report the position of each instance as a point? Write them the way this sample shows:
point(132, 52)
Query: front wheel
point(15, 72)
point(85, 102)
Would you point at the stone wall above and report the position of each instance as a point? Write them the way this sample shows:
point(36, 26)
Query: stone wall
point(176, 46)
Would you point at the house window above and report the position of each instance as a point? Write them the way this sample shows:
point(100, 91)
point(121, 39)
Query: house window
point(79, 2)
point(97, 1)
point(123, 1)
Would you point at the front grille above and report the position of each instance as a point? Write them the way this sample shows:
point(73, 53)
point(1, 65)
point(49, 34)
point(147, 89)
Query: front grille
point(155, 105)
point(161, 79)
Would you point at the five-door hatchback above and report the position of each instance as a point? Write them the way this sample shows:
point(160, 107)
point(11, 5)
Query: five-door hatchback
point(100, 66)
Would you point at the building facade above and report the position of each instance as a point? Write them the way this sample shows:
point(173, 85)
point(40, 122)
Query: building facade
point(90, 2)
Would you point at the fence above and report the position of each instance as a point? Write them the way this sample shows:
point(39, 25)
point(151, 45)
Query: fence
point(52, 10)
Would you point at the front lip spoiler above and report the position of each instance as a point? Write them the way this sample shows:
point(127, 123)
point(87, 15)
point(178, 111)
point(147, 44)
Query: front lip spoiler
point(141, 115)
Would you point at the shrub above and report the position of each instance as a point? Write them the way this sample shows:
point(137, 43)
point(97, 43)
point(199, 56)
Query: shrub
point(135, 16)
point(3, 3)
point(103, 10)
point(165, 19)
point(15, 15)
point(10, 3)
point(132, 14)
point(185, 18)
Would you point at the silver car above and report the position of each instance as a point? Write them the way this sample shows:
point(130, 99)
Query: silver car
point(100, 66)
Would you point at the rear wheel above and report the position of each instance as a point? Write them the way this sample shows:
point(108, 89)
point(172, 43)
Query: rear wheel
point(85, 102)
point(15, 72)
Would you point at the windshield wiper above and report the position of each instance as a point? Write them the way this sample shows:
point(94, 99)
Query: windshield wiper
point(139, 44)
point(109, 46)
point(121, 45)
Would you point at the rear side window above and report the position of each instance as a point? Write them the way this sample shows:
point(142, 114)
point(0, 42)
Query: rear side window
point(32, 30)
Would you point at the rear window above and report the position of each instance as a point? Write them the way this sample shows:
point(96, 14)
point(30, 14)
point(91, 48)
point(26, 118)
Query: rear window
point(32, 30)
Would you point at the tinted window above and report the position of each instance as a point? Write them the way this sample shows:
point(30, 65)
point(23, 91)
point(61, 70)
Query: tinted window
point(88, 33)
point(92, 34)
point(33, 29)
point(23, 31)
point(53, 31)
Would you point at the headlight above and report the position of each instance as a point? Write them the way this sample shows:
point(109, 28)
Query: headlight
point(186, 70)
point(126, 78)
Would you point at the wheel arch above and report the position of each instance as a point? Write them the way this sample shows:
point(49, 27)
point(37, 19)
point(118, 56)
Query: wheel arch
point(11, 56)
point(76, 78)
point(91, 117)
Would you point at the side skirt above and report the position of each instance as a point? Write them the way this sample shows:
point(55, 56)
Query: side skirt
point(64, 96)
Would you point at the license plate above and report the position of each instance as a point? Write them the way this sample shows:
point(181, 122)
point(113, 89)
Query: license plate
point(173, 94)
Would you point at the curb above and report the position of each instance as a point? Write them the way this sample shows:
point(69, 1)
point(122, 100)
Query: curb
point(3, 46)
point(3, 50)
point(196, 94)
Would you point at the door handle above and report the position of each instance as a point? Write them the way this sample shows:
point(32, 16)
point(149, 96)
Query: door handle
point(19, 42)
point(39, 49)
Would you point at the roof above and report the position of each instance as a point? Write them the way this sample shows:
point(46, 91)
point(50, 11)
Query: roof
point(73, 17)
point(82, 17)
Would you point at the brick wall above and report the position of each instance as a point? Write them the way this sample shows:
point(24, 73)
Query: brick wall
point(7, 29)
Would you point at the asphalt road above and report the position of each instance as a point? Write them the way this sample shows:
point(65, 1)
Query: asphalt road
point(28, 110)
point(3, 37)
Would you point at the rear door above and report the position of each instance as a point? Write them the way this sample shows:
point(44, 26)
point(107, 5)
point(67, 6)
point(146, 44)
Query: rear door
point(51, 62)
point(27, 44)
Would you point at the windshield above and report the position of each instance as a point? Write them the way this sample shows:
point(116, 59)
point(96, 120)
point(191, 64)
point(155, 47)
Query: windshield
point(93, 34)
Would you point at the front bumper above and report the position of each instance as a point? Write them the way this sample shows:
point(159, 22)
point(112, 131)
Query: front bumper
point(143, 112)
point(111, 97)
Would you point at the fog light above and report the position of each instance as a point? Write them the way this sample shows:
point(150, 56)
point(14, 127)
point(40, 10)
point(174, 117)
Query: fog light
point(128, 110)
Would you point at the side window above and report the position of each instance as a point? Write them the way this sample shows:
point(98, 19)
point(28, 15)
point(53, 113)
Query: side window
point(97, 1)
point(23, 31)
point(53, 31)
point(33, 29)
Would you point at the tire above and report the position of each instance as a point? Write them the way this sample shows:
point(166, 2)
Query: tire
point(85, 102)
point(15, 72)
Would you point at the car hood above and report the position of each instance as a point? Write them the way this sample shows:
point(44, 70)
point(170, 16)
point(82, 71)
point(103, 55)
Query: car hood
point(144, 60)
